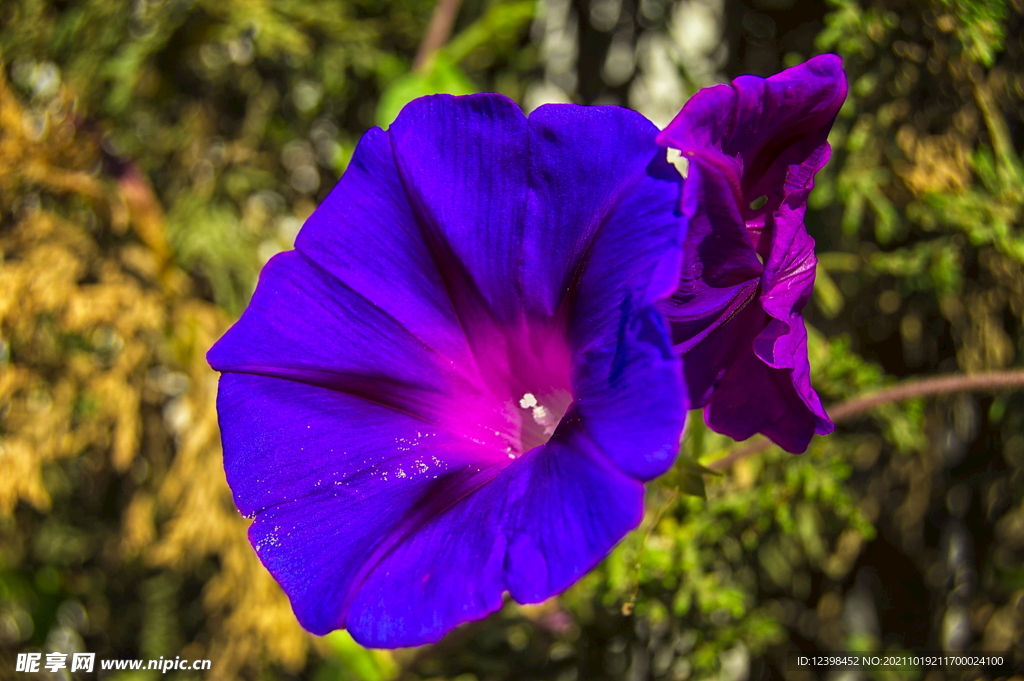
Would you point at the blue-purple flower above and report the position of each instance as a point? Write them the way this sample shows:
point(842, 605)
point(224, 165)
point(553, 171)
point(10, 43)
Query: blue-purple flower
point(748, 266)
point(456, 383)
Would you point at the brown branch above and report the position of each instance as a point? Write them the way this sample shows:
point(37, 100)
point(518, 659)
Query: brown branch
point(921, 387)
point(937, 385)
point(440, 27)
point(752, 448)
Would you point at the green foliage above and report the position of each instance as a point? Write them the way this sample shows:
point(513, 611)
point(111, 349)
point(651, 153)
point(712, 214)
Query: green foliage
point(979, 26)
point(851, 29)
point(688, 476)
point(352, 662)
point(707, 564)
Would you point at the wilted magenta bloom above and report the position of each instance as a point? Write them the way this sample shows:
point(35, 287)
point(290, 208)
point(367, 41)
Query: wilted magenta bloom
point(748, 265)
point(456, 383)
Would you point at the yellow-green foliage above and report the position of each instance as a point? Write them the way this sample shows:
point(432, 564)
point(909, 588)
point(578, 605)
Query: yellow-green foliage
point(104, 376)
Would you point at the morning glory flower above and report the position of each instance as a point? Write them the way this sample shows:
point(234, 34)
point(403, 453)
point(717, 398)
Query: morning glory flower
point(748, 266)
point(456, 384)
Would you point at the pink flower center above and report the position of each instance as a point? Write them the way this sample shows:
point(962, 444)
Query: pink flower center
point(522, 388)
point(538, 420)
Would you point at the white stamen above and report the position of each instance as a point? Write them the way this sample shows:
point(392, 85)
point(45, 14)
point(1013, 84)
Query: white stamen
point(676, 158)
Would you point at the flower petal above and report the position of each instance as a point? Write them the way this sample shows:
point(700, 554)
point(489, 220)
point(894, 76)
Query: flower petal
point(375, 387)
point(304, 324)
point(787, 285)
point(334, 481)
point(464, 163)
point(636, 425)
point(754, 148)
point(575, 196)
point(761, 126)
point(367, 235)
point(706, 363)
point(720, 266)
point(615, 277)
point(534, 530)
point(755, 398)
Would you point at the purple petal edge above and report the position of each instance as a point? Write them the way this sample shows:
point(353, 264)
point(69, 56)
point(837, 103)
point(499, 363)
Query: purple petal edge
point(754, 138)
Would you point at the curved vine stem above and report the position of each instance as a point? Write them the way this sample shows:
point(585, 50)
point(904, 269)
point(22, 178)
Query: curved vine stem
point(627, 607)
point(438, 31)
point(921, 387)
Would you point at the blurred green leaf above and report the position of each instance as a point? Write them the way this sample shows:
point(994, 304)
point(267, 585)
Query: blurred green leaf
point(826, 294)
point(443, 76)
point(352, 662)
point(500, 26)
point(690, 476)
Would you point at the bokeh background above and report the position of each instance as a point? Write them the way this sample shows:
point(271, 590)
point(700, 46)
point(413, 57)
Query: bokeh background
point(155, 153)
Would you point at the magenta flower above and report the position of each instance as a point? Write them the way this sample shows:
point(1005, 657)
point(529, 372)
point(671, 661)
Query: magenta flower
point(445, 392)
point(748, 265)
